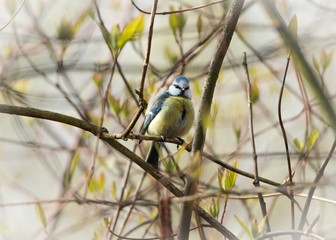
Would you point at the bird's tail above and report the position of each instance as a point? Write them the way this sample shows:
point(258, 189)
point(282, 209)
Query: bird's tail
point(153, 155)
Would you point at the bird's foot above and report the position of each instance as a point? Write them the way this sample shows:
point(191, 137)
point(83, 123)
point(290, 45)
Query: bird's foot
point(180, 139)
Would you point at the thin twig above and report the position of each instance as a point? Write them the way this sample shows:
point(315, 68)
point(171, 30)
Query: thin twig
point(312, 189)
point(148, 51)
point(103, 107)
point(290, 174)
point(256, 181)
point(177, 11)
point(291, 233)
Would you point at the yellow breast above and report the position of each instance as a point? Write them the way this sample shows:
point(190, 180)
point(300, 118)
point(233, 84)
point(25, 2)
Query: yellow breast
point(175, 118)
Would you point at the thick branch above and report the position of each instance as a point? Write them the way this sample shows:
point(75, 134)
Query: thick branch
point(204, 110)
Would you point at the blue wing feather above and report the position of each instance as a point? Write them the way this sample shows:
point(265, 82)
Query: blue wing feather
point(155, 108)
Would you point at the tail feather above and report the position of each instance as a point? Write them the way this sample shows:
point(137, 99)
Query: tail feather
point(153, 155)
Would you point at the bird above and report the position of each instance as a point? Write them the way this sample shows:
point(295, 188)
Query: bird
point(170, 114)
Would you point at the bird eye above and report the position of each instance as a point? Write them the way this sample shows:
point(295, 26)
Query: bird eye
point(177, 86)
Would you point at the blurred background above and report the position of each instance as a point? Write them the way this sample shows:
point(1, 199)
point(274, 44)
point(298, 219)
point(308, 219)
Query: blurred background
point(54, 57)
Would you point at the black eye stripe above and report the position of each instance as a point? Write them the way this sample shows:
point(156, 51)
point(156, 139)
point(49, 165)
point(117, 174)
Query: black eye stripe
point(177, 86)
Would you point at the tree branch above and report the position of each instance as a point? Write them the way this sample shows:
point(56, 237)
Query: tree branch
point(204, 112)
point(57, 117)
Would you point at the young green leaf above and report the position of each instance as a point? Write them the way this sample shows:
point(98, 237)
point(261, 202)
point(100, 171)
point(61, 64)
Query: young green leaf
point(244, 226)
point(107, 36)
point(230, 178)
point(113, 38)
point(326, 59)
point(199, 24)
point(255, 229)
point(168, 165)
point(130, 190)
point(40, 215)
point(101, 182)
point(106, 222)
point(220, 179)
point(72, 166)
point(316, 65)
point(254, 91)
point(115, 104)
point(65, 30)
point(312, 138)
point(98, 79)
point(173, 22)
point(298, 144)
point(114, 190)
point(177, 22)
point(213, 209)
point(131, 31)
point(293, 26)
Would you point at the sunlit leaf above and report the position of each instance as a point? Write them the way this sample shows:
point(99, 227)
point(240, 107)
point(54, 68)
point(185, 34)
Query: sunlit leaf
point(254, 91)
point(115, 104)
point(316, 65)
point(101, 182)
point(244, 226)
point(98, 79)
point(106, 222)
point(312, 138)
point(131, 31)
point(326, 59)
point(293, 26)
point(173, 21)
point(195, 165)
point(213, 209)
point(230, 178)
point(141, 219)
point(298, 144)
point(93, 185)
point(40, 215)
point(130, 190)
point(95, 236)
point(114, 190)
point(181, 22)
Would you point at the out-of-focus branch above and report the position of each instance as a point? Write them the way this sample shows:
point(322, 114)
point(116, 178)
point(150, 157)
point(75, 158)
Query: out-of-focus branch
point(204, 112)
point(166, 182)
point(256, 181)
point(300, 60)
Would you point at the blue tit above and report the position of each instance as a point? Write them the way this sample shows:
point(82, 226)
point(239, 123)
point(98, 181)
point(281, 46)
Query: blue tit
point(170, 114)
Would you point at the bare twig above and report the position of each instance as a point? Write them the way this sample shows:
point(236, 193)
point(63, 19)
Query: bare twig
point(290, 174)
point(312, 189)
point(177, 11)
point(148, 51)
point(256, 181)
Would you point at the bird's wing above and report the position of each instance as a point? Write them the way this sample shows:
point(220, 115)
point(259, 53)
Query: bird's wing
point(154, 109)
